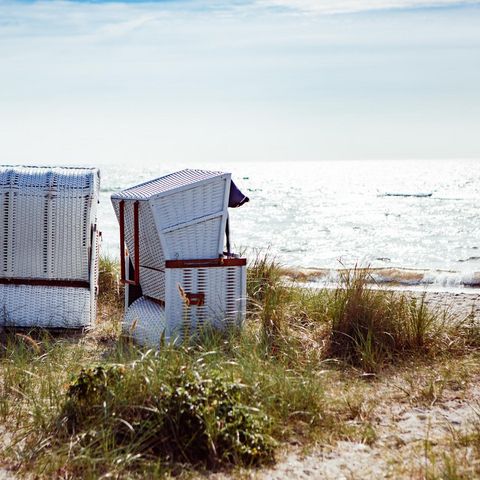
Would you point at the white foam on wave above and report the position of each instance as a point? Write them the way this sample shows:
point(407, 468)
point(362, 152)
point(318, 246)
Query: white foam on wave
point(452, 279)
point(404, 278)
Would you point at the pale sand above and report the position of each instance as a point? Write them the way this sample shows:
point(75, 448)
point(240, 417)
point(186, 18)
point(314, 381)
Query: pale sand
point(458, 304)
point(398, 452)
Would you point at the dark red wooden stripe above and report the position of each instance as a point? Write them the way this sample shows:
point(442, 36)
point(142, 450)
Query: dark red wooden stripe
point(45, 282)
point(206, 263)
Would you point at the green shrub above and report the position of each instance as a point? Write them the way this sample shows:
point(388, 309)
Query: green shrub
point(191, 415)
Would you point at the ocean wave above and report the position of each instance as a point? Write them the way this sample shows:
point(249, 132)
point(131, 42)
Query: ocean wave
point(402, 277)
point(436, 278)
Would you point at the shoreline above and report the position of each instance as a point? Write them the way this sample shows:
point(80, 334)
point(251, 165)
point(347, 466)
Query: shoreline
point(391, 277)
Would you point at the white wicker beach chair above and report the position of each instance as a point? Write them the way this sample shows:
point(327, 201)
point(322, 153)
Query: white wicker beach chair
point(174, 230)
point(49, 245)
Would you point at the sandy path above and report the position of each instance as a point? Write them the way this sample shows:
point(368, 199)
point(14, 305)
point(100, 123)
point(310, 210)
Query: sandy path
point(402, 430)
point(397, 452)
point(6, 475)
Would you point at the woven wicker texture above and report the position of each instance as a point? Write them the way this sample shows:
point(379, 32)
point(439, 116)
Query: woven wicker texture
point(48, 232)
point(224, 301)
point(197, 201)
point(203, 239)
point(145, 322)
point(46, 307)
point(153, 283)
point(46, 218)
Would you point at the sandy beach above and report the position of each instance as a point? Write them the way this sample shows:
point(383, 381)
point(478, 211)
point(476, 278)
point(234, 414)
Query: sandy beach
point(459, 305)
point(401, 431)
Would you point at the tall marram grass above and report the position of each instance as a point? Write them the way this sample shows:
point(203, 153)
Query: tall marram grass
point(370, 327)
point(110, 291)
point(366, 326)
point(268, 297)
point(110, 298)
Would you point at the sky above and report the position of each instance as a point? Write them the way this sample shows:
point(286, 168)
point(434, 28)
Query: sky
point(243, 80)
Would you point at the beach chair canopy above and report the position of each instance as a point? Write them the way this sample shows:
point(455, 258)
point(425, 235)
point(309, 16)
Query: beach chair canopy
point(236, 197)
point(46, 218)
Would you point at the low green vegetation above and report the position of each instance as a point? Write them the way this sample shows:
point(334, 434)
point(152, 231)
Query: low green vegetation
point(164, 406)
point(84, 406)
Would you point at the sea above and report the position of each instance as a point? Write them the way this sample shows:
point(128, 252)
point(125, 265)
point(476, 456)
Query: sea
point(414, 223)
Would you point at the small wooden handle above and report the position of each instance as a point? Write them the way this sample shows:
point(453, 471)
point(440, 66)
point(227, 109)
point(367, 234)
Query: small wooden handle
point(197, 299)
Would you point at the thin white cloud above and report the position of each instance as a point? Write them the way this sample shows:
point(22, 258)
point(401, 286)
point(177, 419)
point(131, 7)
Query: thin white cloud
point(56, 18)
point(121, 28)
point(352, 6)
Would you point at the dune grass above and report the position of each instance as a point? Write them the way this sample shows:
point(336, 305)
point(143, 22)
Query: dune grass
point(371, 327)
point(110, 291)
point(368, 328)
point(83, 407)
